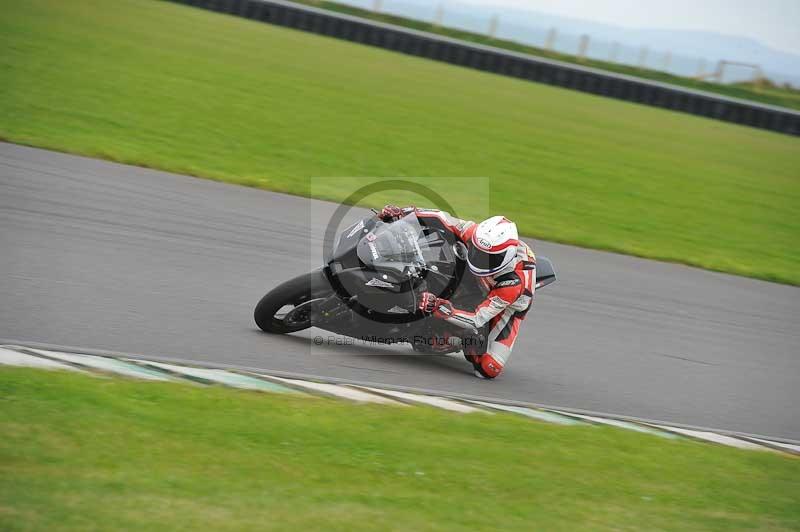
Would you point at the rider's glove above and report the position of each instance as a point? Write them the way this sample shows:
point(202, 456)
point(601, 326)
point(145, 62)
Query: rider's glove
point(390, 213)
point(430, 304)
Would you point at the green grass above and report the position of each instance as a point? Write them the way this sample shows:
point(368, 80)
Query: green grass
point(83, 453)
point(769, 93)
point(186, 90)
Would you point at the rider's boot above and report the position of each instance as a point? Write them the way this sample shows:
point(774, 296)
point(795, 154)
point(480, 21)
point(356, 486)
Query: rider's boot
point(485, 366)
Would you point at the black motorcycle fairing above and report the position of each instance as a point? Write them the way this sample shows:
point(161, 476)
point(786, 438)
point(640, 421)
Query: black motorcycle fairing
point(371, 292)
point(545, 272)
point(343, 252)
point(381, 267)
point(382, 292)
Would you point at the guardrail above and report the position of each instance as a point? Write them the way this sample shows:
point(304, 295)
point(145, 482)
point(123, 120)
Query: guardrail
point(509, 63)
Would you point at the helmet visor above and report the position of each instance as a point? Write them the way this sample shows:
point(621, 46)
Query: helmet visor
point(479, 259)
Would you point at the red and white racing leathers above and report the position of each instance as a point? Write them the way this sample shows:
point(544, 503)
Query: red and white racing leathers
point(509, 297)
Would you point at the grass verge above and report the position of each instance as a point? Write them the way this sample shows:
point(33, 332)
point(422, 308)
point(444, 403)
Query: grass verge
point(186, 90)
point(84, 453)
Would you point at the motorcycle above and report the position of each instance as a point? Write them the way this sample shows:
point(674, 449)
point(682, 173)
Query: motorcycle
point(369, 287)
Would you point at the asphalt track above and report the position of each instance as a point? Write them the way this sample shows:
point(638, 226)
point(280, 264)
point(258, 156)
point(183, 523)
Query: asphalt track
point(107, 256)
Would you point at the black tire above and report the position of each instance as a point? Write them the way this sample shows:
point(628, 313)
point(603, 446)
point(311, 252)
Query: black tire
point(291, 293)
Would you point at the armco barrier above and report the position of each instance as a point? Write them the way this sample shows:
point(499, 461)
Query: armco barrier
point(508, 63)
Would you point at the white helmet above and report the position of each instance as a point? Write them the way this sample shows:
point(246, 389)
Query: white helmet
point(493, 246)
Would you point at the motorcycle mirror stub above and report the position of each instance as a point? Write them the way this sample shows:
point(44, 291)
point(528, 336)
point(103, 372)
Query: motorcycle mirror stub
point(460, 250)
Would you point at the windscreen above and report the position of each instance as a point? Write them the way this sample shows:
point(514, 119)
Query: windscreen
point(394, 245)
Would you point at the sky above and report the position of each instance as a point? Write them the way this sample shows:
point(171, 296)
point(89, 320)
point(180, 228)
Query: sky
point(775, 23)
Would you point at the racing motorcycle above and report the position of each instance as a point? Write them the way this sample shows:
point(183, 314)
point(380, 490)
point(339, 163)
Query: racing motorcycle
point(369, 287)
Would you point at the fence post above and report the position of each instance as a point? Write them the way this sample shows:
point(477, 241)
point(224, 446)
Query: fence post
point(550, 40)
point(583, 45)
point(438, 19)
point(701, 69)
point(759, 78)
point(493, 26)
point(642, 57)
point(720, 72)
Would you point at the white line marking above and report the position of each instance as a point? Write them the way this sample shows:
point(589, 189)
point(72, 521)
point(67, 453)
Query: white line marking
point(343, 392)
point(713, 437)
point(10, 357)
point(620, 424)
point(221, 376)
point(786, 446)
point(541, 415)
point(438, 402)
point(534, 411)
point(107, 364)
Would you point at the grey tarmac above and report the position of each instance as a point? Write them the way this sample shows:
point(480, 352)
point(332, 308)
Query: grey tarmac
point(108, 256)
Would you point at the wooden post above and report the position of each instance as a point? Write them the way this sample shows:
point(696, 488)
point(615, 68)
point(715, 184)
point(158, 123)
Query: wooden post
point(759, 78)
point(642, 57)
point(493, 26)
point(583, 45)
point(720, 71)
point(701, 69)
point(439, 17)
point(550, 40)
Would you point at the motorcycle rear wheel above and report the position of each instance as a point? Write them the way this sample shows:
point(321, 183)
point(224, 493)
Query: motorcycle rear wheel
point(298, 294)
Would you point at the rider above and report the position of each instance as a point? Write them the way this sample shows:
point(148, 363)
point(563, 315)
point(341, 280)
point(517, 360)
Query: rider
point(506, 267)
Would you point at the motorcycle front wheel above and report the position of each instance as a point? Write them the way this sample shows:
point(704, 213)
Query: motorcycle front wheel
point(287, 308)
